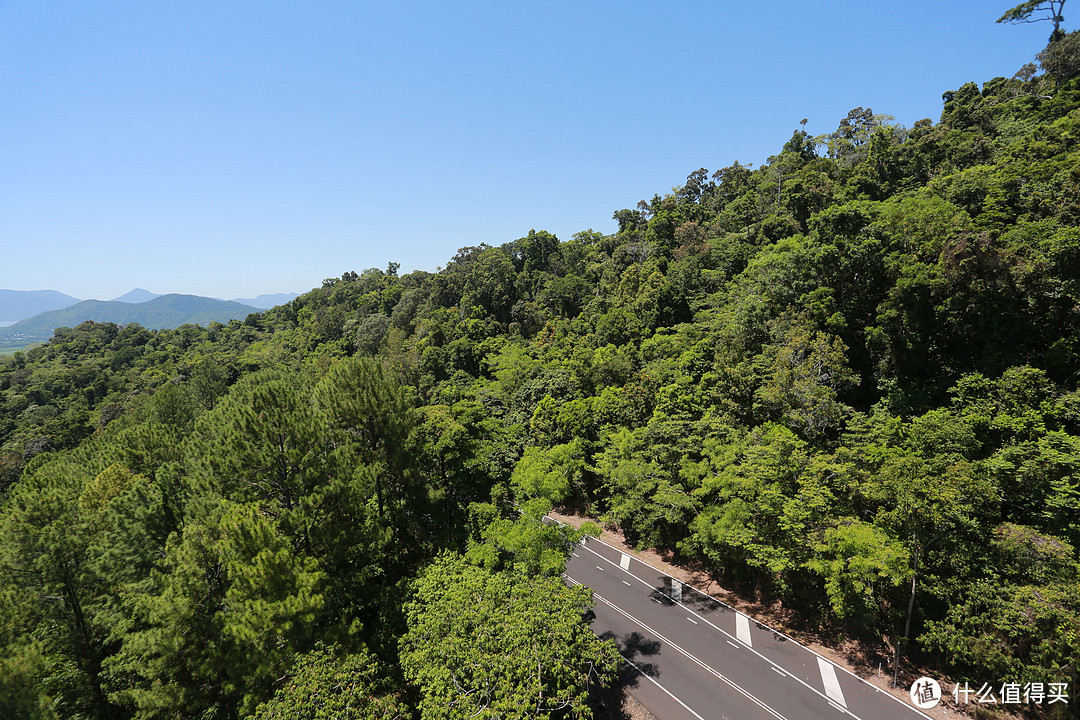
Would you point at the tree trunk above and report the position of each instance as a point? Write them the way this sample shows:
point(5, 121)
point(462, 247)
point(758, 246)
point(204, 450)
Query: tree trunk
point(907, 623)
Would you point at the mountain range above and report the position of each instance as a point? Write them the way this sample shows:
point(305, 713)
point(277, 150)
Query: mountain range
point(263, 302)
point(160, 312)
point(16, 305)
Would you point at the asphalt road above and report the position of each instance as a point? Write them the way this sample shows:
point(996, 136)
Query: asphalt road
point(692, 658)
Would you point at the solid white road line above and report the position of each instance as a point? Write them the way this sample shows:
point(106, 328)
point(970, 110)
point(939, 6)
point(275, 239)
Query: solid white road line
point(742, 628)
point(855, 677)
point(649, 677)
point(693, 658)
point(670, 694)
point(832, 685)
point(869, 686)
point(771, 663)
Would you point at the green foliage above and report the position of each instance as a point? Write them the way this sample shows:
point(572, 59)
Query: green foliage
point(522, 539)
point(807, 372)
point(645, 497)
point(1024, 11)
point(855, 559)
point(323, 685)
point(488, 645)
point(45, 551)
point(1018, 633)
point(227, 609)
point(550, 474)
point(756, 496)
point(1061, 58)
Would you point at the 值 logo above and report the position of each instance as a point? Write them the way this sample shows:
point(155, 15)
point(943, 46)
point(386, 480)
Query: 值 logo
point(925, 693)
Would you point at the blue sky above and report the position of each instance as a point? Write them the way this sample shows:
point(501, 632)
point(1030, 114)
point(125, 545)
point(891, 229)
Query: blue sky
point(235, 148)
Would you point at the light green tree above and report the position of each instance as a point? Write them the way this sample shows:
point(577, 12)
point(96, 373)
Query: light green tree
point(495, 645)
point(324, 685)
point(522, 538)
point(807, 371)
point(856, 559)
point(921, 508)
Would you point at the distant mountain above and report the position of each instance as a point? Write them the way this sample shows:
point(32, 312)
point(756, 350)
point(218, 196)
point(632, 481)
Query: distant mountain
point(165, 311)
point(138, 295)
point(22, 304)
point(267, 301)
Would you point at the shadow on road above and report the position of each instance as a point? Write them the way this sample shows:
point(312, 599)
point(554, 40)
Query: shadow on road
point(614, 702)
point(661, 596)
point(702, 604)
point(634, 647)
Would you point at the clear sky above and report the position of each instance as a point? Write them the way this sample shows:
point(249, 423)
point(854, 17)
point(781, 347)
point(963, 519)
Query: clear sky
point(235, 147)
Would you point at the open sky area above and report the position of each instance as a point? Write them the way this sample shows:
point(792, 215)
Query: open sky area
point(236, 148)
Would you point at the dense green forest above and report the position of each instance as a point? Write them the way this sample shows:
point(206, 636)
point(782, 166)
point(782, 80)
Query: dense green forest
point(845, 381)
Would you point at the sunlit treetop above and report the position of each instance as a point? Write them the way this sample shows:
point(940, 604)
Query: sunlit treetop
point(1023, 13)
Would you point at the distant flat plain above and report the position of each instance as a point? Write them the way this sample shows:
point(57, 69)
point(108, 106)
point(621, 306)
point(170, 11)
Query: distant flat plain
point(10, 350)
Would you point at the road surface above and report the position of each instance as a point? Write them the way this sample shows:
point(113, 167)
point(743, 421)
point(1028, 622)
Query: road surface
point(691, 657)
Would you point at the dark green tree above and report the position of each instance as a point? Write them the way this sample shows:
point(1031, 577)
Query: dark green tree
point(220, 621)
point(44, 548)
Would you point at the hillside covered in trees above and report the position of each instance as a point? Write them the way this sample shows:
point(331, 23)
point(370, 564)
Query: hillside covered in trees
point(846, 381)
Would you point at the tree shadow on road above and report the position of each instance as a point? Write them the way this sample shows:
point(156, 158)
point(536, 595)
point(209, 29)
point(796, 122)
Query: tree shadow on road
point(702, 603)
point(634, 648)
point(662, 596)
point(690, 598)
point(612, 702)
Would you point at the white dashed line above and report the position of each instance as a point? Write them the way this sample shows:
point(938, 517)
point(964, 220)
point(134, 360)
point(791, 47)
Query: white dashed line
point(738, 688)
